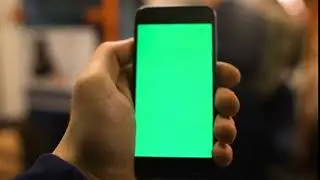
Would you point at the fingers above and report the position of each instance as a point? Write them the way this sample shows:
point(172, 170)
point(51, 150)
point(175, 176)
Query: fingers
point(225, 133)
point(225, 130)
point(226, 102)
point(227, 105)
point(222, 154)
point(227, 75)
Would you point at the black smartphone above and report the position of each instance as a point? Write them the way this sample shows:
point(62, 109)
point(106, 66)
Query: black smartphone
point(173, 93)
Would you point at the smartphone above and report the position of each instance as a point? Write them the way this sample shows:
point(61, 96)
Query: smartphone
point(173, 93)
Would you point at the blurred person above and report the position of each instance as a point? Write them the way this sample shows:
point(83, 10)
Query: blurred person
point(99, 141)
point(11, 151)
point(266, 44)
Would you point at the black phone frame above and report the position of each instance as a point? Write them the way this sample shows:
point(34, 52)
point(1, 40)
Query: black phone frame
point(190, 168)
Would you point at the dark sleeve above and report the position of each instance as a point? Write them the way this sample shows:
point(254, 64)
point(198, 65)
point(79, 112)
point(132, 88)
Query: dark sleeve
point(51, 167)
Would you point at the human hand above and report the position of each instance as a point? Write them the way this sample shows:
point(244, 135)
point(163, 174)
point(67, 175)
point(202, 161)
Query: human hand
point(100, 138)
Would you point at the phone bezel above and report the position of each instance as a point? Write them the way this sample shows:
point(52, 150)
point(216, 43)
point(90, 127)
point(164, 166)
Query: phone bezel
point(149, 167)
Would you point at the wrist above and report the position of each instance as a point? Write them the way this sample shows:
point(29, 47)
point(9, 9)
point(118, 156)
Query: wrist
point(105, 173)
point(90, 172)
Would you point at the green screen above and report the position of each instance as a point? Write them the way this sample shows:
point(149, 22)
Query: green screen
point(174, 90)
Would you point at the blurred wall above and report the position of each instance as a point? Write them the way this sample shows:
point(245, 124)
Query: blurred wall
point(127, 14)
point(12, 63)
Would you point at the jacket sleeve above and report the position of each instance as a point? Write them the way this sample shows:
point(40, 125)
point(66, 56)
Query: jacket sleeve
point(51, 167)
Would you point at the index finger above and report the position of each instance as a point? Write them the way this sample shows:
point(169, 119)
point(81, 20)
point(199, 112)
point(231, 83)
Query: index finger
point(227, 75)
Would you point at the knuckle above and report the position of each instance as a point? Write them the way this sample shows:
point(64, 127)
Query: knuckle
point(106, 46)
point(89, 82)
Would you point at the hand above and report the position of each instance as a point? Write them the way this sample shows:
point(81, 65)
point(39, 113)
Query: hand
point(228, 106)
point(99, 140)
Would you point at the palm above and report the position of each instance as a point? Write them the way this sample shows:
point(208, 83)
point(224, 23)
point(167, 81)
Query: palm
point(102, 119)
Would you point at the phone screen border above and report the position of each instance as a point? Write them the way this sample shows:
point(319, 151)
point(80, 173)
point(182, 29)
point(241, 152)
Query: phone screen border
point(150, 167)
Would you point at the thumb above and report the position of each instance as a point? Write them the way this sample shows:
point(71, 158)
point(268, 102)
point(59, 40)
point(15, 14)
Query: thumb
point(122, 50)
point(112, 56)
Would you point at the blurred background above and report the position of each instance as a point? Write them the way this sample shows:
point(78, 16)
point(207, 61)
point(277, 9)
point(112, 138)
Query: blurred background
point(45, 43)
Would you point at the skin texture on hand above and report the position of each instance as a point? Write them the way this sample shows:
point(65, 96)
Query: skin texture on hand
point(100, 137)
